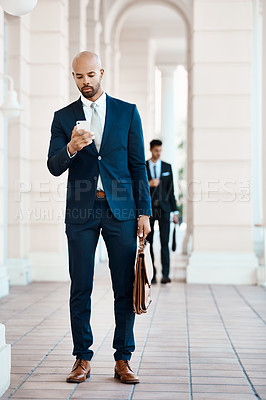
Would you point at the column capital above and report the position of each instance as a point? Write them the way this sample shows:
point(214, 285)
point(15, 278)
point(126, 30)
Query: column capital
point(167, 69)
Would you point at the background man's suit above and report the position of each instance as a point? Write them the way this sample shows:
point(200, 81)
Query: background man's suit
point(121, 164)
point(163, 202)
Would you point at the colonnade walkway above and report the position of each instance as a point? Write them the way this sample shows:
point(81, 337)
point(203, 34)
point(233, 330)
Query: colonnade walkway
point(200, 342)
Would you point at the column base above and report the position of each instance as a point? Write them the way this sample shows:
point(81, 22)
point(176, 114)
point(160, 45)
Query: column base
point(4, 282)
point(5, 361)
point(262, 275)
point(49, 266)
point(19, 271)
point(222, 268)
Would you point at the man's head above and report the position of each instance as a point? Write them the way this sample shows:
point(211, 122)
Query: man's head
point(156, 148)
point(88, 72)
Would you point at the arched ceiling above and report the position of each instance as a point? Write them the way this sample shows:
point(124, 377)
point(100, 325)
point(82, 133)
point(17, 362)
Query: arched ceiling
point(165, 29)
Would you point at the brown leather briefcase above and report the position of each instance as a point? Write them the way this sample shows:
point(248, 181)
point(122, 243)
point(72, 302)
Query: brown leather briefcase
point(143, 276)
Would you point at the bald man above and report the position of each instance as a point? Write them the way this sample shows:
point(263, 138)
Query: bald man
point(99, 140)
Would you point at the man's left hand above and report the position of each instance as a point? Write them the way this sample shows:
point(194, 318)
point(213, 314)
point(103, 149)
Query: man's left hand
point(143, 226)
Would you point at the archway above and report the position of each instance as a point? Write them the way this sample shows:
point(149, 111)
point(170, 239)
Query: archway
point(120, 16)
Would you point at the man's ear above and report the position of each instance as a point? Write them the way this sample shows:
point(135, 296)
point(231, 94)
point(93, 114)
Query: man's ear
point(73, 74)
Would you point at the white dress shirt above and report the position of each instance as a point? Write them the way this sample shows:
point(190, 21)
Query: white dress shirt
point(158, 166)
point(101, 110)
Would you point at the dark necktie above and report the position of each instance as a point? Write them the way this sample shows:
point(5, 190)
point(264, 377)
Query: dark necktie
point(154, 169)
point(155, 191)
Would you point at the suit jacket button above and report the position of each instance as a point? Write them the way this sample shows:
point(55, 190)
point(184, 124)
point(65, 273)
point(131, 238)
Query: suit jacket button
point(99, 157)
point(95, 177)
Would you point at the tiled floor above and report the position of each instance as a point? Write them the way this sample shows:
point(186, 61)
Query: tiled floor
point(200, 342)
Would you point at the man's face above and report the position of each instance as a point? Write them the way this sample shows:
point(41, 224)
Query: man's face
point(87, 76)
point(156, 152)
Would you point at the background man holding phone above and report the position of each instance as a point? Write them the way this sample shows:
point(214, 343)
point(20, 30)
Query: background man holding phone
point(99, 139)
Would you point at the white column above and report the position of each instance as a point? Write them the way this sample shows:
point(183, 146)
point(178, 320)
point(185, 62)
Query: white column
point(151, 89)
point(134, 56)
point(5, 349)
point(5, 361)
point(18, 59)
point(107, 51)
point(262, 277)
point(4, 281)
point(49, 77)
point(168, 124)
point(94, 31)
point(257, 128)
point(222, 158)
point(94, 27)
point(77, 35)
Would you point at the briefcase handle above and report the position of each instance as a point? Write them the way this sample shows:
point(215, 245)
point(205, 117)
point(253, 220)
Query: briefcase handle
point(141, 244)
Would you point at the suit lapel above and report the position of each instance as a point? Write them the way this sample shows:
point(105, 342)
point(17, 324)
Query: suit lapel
point(148, 169)
point(162, 169)
point(78, 110)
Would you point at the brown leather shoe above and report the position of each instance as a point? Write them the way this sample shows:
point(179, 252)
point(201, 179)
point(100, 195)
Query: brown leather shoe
point(80, 371)
point(124, 372)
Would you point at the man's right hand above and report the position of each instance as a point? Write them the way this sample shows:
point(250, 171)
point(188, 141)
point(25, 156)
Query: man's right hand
point(154, 182)
point(79, 139)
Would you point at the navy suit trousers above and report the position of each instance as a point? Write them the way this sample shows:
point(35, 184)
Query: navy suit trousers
point(164, 227)
point(120, 238)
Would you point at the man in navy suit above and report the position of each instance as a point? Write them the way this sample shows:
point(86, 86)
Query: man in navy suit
point(107, 190)
point(163, 203)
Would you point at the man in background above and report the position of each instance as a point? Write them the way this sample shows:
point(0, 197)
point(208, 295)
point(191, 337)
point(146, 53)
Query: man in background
point(160, 178)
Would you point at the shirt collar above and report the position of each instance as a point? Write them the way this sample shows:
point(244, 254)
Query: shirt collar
point(158, 162)
point(99, 102)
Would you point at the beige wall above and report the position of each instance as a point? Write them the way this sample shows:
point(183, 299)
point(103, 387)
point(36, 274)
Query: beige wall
point(222, 157)
point(51, 61)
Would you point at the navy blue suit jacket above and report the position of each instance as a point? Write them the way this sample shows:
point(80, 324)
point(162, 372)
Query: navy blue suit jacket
point(164, 192)
point(120, 160)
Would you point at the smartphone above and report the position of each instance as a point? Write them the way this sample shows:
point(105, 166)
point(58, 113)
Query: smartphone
point(83, 125)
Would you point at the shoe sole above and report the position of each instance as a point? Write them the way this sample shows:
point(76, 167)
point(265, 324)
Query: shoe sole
point(76, 380)
point(116, 376)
